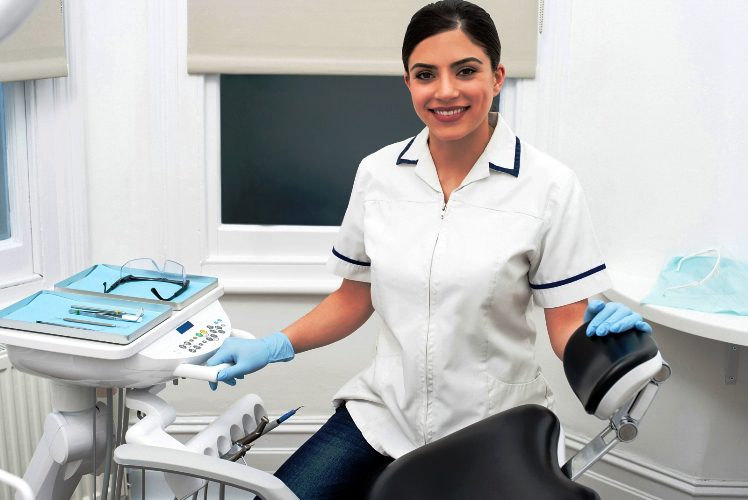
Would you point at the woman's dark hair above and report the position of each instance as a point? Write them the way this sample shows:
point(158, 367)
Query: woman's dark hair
point(448, 15)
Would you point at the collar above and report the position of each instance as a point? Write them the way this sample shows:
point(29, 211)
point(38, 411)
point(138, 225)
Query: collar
point(502, 155)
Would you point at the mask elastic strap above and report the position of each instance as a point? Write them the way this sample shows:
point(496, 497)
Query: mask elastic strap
point(711, 273)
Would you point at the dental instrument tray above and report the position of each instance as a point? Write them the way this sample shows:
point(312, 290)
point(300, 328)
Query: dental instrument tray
point(102, 319)
point(91, 282)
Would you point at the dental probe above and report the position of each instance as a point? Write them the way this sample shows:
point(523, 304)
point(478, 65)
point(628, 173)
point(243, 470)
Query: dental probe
point(89, 322)
point(98, 309)
point(275, 423)
point(64, 326)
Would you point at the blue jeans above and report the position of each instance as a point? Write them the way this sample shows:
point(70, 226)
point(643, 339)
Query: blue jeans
point(335, 463)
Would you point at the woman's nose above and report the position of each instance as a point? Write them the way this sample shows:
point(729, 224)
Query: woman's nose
point(447, 89)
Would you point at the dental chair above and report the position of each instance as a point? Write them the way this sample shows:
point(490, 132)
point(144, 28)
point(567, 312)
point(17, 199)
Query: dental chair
point(514, 455)
point(518, 454)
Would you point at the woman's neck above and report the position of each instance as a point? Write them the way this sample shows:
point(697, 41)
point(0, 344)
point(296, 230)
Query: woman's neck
point(454, 159)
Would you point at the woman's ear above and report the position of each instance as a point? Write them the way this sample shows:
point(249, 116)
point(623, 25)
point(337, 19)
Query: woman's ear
point(406, 77)
point(499, 76)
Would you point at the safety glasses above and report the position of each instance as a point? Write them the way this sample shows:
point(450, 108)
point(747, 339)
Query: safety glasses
point(146, 269)
point(713, 272)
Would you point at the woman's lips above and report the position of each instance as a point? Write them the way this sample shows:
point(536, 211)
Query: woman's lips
point(450, 114)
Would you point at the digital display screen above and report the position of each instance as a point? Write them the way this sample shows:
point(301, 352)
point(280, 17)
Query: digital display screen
point(184, 327)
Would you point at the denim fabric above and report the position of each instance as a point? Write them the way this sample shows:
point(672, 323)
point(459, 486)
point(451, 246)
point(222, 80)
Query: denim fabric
point(335, 463)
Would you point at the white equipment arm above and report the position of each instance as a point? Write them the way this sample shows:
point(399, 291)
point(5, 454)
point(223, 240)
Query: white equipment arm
point(268, 487)
point(23, 490)
point(199, 458)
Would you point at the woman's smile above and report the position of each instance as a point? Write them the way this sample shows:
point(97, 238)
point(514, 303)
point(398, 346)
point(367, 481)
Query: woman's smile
point(449, 114)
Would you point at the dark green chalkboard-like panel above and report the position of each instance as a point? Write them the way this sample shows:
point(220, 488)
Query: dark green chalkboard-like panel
point(290, 144)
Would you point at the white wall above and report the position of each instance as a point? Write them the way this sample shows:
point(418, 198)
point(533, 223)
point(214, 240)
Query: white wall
point(643, 99)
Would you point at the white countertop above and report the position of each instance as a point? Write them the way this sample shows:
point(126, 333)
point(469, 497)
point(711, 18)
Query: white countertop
point(630, 290)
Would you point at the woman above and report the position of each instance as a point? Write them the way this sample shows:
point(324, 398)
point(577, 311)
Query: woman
point(447, 236)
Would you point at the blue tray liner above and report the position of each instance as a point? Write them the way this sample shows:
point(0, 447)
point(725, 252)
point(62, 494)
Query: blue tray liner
point(101, 273)
point(48, 306)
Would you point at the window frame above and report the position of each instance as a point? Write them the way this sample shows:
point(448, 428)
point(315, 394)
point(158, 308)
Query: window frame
point(17, 252)
point(258, 258)
point(47, 130)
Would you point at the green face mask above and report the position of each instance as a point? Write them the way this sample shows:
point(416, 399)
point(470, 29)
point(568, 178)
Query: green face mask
point(704, 281)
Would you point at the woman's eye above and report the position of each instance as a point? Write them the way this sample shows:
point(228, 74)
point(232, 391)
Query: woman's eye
point(466, 71)
point(424, 75)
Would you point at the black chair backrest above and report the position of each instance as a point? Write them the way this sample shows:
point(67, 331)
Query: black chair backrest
point(508, 456)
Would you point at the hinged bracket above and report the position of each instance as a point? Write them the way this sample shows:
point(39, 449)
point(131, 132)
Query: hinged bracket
point(731, 371)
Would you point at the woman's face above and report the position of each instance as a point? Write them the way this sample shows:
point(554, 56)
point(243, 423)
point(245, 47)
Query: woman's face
point(452, 85)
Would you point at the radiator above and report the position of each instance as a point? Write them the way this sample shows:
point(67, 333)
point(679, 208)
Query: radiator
point(25, 401)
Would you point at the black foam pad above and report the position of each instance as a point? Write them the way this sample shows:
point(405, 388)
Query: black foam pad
point(594, 364)
point(509, 456)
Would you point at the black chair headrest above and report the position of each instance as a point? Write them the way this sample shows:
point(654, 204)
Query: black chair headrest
point(594, 365)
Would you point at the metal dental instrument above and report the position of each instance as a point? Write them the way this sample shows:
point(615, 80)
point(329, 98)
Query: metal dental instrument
point(100, 312)
point(89, 322)
point(64, 326)
point(275, 423)
point(127, 317)
point(242, 446)
point(245, 443)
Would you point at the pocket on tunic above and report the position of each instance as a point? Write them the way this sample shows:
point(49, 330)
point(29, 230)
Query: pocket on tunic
point(503, 396)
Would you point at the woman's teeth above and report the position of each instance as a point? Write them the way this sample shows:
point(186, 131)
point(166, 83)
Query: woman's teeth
point(449, 112)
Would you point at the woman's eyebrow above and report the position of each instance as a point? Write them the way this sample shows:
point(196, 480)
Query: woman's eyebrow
point(466, 60)
point(453, 65)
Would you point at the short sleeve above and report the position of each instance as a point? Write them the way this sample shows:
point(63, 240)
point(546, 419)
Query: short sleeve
point(348, 258)
point(568, 266)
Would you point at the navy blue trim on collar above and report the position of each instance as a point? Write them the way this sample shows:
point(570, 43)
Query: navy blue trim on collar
point(568, 280)
point(349, 260)
point(515, 170)
point(401, 160)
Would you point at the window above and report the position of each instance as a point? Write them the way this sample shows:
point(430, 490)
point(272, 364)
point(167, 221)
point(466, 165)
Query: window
point(290, 144)
point(16, 258)
point(282, 153)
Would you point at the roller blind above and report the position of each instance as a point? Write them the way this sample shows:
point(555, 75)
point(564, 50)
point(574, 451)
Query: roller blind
point(37, 48)
point(332, 36)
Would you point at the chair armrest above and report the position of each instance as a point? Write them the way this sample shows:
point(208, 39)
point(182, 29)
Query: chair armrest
point(606, 372)
point(261, 483)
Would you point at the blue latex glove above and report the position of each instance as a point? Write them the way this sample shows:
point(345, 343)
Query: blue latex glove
point(249, 355)
point(612, 317)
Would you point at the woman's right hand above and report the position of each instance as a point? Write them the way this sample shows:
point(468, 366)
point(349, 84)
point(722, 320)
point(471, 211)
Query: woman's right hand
point(249, 355)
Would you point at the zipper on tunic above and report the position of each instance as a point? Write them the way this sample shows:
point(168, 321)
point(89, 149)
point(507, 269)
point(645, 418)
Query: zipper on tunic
point(428, 329)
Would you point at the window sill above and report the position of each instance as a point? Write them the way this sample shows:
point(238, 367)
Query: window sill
point(280, 287)
point(630, 290)
point(289, 275)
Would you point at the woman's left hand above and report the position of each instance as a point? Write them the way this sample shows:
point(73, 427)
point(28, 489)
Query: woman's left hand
point(612, 317)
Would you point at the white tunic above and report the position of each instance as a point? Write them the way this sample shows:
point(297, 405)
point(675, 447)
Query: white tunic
point(452, 283)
